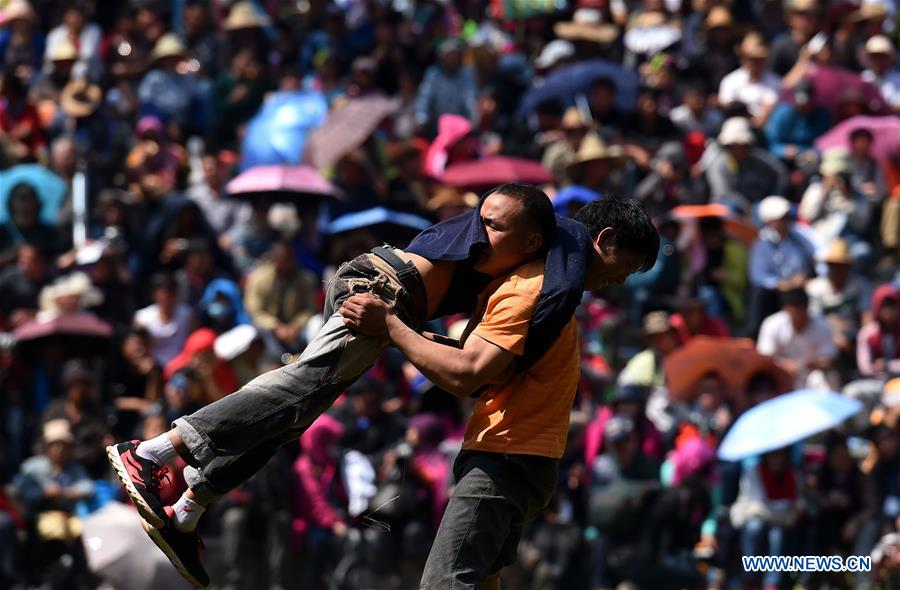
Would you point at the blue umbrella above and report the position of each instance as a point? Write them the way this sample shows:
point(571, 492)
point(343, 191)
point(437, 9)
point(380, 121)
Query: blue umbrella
point(568, 82)
point(784, 420)
point(50, 188)
point(277, 134)
point(374, 217)
point(573, 194)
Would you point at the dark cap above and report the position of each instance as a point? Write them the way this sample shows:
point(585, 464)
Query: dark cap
point(74, 371)
point(618, 428)
point(631, 392)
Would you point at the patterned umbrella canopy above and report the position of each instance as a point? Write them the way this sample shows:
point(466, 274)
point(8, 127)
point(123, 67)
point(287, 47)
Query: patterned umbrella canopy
point(347, 128)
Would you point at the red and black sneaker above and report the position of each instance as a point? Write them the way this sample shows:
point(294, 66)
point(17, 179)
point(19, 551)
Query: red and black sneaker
point(141, 479)
point(182, 549)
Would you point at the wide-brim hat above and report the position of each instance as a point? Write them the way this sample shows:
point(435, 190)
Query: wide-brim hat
point(572, 119)
point(244, 15)
point(838, 253)
point(594, 149)
point(17, 10)
point(879, 44)
point(736, 131)
point(587, 25)
point(235, 342)
point(870, 11)
point(553, 53)
point(63, 50)
point(57, 430)
point(169, 45)
point(773, 208)
point(80, 98)
point(835, 161)
point(76, 283)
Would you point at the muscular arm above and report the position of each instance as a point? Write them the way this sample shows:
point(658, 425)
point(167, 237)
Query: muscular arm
point(459, 371)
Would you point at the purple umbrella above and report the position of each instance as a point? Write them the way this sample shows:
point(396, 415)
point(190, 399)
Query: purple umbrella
point(288, 181)
point(495, 170)
point(885, 131)
point(832, 84)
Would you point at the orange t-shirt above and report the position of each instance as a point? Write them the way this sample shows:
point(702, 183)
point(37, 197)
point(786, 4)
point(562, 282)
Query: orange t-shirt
point(525, 413)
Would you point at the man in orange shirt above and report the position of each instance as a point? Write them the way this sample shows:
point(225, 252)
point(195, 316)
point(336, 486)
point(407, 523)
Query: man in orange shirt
point(507, 471)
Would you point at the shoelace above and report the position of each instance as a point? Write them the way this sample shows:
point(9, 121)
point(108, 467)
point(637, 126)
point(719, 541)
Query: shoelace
point(158, 476)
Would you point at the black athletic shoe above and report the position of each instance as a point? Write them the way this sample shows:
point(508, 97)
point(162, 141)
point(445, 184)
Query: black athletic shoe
point(182, 549)
point(141, 479)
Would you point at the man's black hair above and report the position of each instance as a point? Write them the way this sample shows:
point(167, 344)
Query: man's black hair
point(163, 281)
point(797, 297)
point(537, 208)
point(861, 132)
point(632, 228)
point(607, 83)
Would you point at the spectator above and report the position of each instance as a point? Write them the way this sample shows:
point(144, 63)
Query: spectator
point(24, 226)
point(449, 88)
point(669, 182)
point(21, 285)
point(832, 205)
point(780, 260)
point(645, 368)
point(838, 494)
point(561, 152)
point(721, 273)
point(280, 297)
point(738, 174)
point(802, 343)
point(878, 343)
point(802, 25)
point(243, 349)
point(768, 510)
point(167, 321)
point(752, 85)
point(795, 125)
point(85, 35)
point(80, 407)
point(691, 319)
point(866, 173)
point(880, 56)
point(136, 384)
point(228, 217)
point(168, 88)
point(215, 376)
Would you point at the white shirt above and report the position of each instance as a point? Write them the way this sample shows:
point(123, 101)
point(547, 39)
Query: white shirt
point(889, 84)
point(777, 338)
point(167, 337)
point(737, 87)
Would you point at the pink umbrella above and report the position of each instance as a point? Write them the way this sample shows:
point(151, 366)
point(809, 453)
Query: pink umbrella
point(76, 324)
point(346, 128)
point(885, 131)
point(495, 170)
point(283, 180)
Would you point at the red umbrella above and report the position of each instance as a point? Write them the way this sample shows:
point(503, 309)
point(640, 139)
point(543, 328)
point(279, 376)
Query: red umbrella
point(283, 180)
point(885, 133)
point(346, 128)
point(77, 324)
point(495, 170)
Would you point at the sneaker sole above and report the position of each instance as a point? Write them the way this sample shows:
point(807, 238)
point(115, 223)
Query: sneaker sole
point(144, 509)
point(160, 542)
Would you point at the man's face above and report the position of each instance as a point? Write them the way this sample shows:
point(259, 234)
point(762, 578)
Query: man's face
point(610, 264)
point(32, 263)
point(512, 239)
point(799, 315)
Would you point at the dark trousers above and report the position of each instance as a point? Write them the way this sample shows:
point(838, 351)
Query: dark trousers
point(495, 497)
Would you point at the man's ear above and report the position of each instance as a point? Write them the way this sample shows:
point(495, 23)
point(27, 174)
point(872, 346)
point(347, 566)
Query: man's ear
point(535, 241)
point(605, 240)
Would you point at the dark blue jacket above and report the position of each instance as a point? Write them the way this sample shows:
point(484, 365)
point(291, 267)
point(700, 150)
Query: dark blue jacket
point(463, 238)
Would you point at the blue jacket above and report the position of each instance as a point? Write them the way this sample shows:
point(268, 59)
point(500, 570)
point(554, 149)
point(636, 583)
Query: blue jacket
point(463, 237)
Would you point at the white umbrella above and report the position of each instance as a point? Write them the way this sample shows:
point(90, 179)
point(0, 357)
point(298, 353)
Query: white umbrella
point(784, 420)
point(119, 551)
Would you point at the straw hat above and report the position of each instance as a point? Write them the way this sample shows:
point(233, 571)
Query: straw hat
point(718, 16)
point(754, 45)
point(572, 119)
point(587, 25)
point(879, 44)
point(736, 131)
point(57, 431)
point(64, 50)
point(838, 253)
point(16, 10)
point(76, 283)
point(802, 5)
point(244, 15)
point(593, 149)
point(169, 45)
point(448, 196)
point(834, 161)
point(870, 11)
point(80, 98)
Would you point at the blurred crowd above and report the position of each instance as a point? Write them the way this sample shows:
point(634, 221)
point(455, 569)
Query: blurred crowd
point(137, 284)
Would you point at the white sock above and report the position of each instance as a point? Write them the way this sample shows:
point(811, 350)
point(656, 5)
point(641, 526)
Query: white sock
point(159, 450)
point(187, 513)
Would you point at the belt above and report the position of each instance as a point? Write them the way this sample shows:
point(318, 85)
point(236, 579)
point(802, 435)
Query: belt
point(408, 276)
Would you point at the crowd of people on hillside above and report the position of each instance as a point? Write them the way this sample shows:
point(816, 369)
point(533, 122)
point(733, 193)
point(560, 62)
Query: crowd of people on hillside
point(763, 137)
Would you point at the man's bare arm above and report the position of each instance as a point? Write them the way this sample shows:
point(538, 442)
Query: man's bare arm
point(459, 371)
